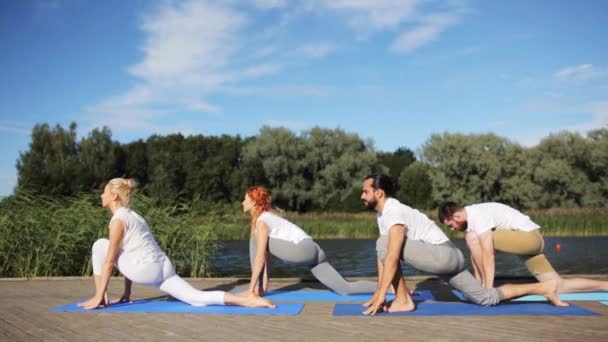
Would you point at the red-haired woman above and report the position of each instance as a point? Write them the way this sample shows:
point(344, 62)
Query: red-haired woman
point(288, 242)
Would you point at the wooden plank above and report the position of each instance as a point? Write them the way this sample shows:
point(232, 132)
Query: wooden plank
point(24, 316)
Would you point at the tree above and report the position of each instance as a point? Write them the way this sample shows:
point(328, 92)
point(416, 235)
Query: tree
point(165, 167)
point(211, 167)
point(97, 159)
point(466, 168)
point(133, 161)
point(415, 187)
point(311, 170)
point(396, 161)
point(565, 173)
point(50, 164)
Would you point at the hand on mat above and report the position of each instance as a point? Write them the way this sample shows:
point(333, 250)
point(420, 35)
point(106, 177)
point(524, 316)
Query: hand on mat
point(376, 305)
point(95, 302)
point(371, 300)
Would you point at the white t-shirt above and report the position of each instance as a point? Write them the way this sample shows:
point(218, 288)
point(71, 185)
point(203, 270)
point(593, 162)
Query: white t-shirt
point(280, 228)
point(418, 225)
point(138, 240)
point(486, 216)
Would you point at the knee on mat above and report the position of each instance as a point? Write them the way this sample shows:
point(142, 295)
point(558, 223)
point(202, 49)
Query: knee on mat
point(488, 300)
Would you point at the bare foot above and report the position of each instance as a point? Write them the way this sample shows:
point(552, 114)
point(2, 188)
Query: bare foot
point(258, 302)
point(394, 306)
point(549, 290)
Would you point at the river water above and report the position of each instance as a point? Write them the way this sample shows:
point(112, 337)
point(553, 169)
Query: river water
point(357, 257)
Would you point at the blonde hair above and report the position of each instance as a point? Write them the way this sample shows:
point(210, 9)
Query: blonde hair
point(122, 187)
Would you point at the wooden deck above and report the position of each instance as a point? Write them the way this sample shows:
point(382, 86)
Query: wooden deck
point(25, 316)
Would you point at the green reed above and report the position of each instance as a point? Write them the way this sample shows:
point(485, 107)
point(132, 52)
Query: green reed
point(41, 236)
point(554, 222)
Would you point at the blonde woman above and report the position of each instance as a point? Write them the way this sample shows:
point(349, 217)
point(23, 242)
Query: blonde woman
point(132, 249)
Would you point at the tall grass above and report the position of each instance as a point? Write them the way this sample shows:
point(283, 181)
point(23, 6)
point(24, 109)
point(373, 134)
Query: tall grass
point(41, 236)
point(554, 222)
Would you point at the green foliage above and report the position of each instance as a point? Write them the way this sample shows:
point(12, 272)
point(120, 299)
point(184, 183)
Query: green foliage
point(415, 187)
point(396, 161)
point(97, 159)
point(565, 170)
point(312, 170)
point(322, 169)
point(43, 236)
point(50, 166)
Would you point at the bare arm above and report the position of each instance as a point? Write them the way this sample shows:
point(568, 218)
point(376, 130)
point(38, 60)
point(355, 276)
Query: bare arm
point(475, 250)
point(487, 258)
point(396, 238)
point(379, 263)
point(116, 235)
point(264, 285)
point(259, 262)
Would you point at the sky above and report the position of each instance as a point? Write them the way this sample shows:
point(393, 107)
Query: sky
point(392, 71)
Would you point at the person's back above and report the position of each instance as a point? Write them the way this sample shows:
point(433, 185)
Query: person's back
point(419, 226)
point(282, 229)
point(138, 241)
point(492, 215)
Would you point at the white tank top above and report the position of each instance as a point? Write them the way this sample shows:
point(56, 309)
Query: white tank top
point(138, 241)
point(280, 228)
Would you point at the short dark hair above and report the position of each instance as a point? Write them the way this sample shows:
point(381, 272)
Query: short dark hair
point(447, 210)
point(384, 183)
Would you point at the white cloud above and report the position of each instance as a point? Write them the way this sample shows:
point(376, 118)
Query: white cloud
point(297, 126)
point(497, 123)
point(188, 54)
point(269, 4)
point(316, 50)
point(13, 129)
point(297, 90)
point(375, 15)
point(580, 73)
point(599, 111)
point(424, 33)
point(194, 49)
point(204, 107)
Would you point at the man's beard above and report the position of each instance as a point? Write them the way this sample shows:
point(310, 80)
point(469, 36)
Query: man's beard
point(371, 205)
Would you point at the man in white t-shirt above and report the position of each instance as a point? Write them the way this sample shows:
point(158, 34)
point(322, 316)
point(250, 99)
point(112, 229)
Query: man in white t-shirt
point(495, 226)
point(409, 235)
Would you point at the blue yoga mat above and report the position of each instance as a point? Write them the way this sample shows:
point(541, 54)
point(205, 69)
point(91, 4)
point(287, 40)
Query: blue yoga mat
point(592, 296)
point(466, 309)
point(328, 296)
point(289, 309)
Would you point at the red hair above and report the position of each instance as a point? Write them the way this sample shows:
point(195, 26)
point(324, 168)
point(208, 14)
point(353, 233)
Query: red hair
point(261, 202)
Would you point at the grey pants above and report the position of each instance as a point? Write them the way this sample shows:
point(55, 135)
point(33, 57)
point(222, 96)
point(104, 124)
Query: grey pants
point(446, 261)
point(308, 253)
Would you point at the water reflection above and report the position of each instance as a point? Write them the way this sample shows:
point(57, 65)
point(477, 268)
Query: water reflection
point(357, 258)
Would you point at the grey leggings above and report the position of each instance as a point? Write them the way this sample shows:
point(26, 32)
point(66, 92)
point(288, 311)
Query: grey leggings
point(308, 253)
point(446, 261)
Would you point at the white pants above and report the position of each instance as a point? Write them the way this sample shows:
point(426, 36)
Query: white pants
point(158, 274)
